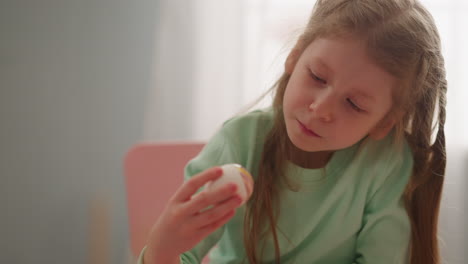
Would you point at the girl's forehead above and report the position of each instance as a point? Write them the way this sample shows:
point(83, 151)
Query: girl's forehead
point(345, 61)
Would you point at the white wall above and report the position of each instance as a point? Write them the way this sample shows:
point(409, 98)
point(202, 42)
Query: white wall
point(74, 76)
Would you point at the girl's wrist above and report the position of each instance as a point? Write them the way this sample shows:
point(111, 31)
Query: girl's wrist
point(150, 257)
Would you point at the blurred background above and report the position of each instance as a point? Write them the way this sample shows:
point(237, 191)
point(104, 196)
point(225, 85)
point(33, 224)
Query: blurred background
point(82, 81)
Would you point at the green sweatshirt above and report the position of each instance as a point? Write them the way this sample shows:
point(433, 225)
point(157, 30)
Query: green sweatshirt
point(351, 211)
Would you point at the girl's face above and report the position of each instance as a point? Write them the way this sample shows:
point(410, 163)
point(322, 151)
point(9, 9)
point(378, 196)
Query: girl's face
point(336, 96)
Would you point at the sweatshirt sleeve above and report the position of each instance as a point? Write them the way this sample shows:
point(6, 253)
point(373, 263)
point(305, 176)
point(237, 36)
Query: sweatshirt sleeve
point(140, 258)
point(385, 233)
point(235, 142)
point(220, 150)
point(217, 151)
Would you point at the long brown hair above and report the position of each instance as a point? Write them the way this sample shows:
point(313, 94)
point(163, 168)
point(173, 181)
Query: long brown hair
point(401, 38)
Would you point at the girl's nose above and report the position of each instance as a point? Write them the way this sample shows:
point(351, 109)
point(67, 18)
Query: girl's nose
point(322, 109)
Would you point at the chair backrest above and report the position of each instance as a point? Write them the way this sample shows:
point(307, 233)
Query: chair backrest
point(153, 172)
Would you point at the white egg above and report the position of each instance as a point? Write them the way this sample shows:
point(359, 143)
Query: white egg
point(234, 173)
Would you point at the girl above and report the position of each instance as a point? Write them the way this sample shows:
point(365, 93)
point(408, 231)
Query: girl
point(345, 169)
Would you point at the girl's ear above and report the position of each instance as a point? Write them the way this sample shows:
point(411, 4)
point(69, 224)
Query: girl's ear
point(382, 128)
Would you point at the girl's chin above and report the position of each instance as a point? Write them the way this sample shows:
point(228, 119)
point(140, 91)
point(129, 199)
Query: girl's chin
point(304, 146)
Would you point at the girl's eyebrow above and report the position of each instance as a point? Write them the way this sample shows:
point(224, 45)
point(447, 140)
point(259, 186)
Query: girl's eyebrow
point(364, 94)
point(359, 92)
point(321, 63)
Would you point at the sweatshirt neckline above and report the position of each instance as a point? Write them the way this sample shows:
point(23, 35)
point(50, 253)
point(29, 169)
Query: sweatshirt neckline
point(303, 179)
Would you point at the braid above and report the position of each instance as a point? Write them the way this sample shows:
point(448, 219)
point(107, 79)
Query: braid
point(423, 193)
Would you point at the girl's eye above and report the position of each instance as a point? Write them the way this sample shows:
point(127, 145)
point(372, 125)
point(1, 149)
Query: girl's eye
point(318, 79)
point(354, 106)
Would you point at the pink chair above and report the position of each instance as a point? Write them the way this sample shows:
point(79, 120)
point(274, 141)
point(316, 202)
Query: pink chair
point(153, 172)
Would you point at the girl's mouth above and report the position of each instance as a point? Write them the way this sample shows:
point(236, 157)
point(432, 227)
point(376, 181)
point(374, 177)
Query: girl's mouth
point(306, 130)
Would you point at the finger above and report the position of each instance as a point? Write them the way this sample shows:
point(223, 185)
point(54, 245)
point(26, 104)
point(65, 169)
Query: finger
point(204, 199)
point(217, 212)
point(189, 188)
point(211, 227)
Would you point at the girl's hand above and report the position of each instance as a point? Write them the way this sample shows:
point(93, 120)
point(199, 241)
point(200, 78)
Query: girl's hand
point(186, 220)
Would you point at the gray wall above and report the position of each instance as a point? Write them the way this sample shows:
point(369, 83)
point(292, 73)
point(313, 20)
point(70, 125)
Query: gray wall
point(74, 76)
